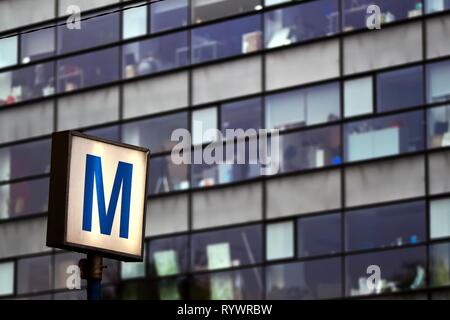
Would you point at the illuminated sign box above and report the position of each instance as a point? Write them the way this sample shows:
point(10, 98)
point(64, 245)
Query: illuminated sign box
point(98, 192)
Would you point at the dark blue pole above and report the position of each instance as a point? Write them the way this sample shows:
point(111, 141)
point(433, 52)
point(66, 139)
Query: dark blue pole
point(94, 290)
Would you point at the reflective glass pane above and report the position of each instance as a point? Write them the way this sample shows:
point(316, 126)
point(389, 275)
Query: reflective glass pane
point(302, 22)
point(24, 198)
point(310, 280)
point(168, 256)
point(27, 83)
point(384, 136)
point(166, 176)
point(226, 39)
point(320, 235)
point(204, 10)
point(24, 160)
point(87, 70)
point(34, 274)
point(388, 226)
point(168, 14)
point(37, 44)
point(226, 248)
point(155, 55)
point(401, 270)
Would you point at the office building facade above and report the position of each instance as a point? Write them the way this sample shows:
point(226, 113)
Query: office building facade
point(364, 128)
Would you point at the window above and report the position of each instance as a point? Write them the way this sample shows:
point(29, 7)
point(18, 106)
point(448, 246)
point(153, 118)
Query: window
point(133, 270)
point(154, 133)
point(27, 83)
point(110, 132)
point(204, 10)
point(37, 44)
point(23, 198)
point(401, 270)
point(226, 248)
point(95, 31)
point(135, 20)
point(384, 136)
point(320, 235)
point(303, 107)
point(235, 164)
point(16, 162)
point(88, 70)
point(168, 256)
point(243, 114)
point(400, 89)
point(302, 22)
point(280, 240)
point(204, 126)
point(226, 39)
point(355, 12)
point(155, 55)
point(165, 176)
point(310, 149)
point(440, 218)
point(358, 96)
point(169, 288)
point(440, 265)
point(8, 51)
point(244, 284)
point(168, 14)
point(34, 274)
point(388, 226)
point(436, 5)
point(310, 280)
point(438, 75)
point(438, 127)
point(6, 278)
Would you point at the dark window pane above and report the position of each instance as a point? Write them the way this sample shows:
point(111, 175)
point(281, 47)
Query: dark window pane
point(400, 89)
point(37, 44)
point(244, 114)
point(80, 295)
point(319, 235)
point(168, 256)
point(244, 284)
point(387, 226)
point(208, 10)
point(310, 149)
point(226, 39)
point(236, 163)
point(438, 127)
point(438, 76)
point(87, 70)
point(226, 248)
point(155, 55)
point(95, 31)
point(154, 133)
point(355, 12)
point(27, 83)
point(384, 136)
point(304, 107)
point(110, 133)
point(34, 274)
point(311, 280)
point(168, 14)
point(439, 265)
point(24, 198)
point(166, 176)
point(301, 22)
point(401, 270)
point(24, 160)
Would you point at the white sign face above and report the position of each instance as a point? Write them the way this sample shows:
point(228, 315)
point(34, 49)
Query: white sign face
point(106, 196)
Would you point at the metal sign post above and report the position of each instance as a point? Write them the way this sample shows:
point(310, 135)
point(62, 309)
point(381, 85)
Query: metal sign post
point(92, 271)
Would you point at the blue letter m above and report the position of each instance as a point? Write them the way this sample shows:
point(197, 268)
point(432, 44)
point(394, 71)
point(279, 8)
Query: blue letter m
point(123, 179)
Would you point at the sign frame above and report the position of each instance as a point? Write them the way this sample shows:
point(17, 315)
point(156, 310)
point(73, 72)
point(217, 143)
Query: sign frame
point(59, 197)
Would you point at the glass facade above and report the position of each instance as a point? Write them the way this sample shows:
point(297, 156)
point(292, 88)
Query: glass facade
point(364, 135)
